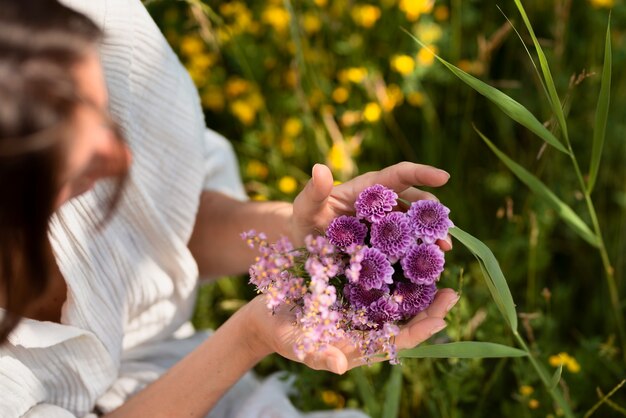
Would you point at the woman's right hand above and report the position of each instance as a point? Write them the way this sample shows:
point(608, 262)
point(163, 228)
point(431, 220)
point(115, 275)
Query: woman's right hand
point(278, 333)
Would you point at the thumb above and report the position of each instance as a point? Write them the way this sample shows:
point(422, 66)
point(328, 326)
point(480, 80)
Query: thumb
point(315, 194)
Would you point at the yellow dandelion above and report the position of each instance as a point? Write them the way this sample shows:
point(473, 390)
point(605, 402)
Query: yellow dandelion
point(276, 17)
point(287, 184)
point(526, 390)
point(415, 99)
point(413, 9)
point(243, 111)
point(340, 94)
point(428, 32)
point(202, 62)
point(213, 98)
point(365, 15)
point(338, 157)
point(257, 169)
point(353, 74)
point(372, 112)
point(426, 56)
point(292, 127)
point(602, 4)
point(402, 64)
point(572, 365)
point(393, 97)
point(332, 398)
point(441, 13)
point(321, 3)
point(533, 403)
point(311, 23)
point(259, 197)
point(191, 45)
point(236, 86)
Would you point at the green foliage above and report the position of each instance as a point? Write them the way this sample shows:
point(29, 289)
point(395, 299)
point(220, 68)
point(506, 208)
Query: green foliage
point(341, 82)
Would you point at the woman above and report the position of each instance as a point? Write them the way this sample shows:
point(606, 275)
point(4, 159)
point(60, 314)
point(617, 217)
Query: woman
point(104, 275)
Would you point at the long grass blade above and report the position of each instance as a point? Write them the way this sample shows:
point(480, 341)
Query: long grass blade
point(508, 105)
point(553, 96)
point(602, 113)
point(463, 349)
point(366, 391)
point(563, 210)
point(391, 405)
point(556, 377)
point(496, 282)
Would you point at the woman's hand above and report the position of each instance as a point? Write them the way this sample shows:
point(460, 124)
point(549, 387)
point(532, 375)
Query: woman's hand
point(278, 333)
point(320, 202)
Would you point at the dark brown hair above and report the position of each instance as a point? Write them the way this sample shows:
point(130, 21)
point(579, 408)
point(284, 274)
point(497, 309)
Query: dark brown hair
point(40, 42)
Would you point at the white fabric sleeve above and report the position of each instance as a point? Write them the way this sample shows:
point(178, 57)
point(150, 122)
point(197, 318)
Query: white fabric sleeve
point(46, 410)
point(221, 166)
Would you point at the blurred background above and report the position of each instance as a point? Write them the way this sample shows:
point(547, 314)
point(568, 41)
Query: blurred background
point(293, 83)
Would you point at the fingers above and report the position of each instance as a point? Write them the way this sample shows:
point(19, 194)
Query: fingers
point(444, 300)
point(314, 196)
point(415, 333)
point(330, 358)
point(403, 175)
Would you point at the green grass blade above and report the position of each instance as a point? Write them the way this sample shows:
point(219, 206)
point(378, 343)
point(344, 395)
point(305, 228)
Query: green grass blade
point(393, 391)
point(463, 349)
point(366, 391)
point(563, 210)
point(508, 105)
point(602, 113)
point(496, 282)
point(556, 377)
point(553, 96)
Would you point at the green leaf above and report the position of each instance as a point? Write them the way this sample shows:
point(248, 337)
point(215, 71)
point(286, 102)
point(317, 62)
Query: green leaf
point(366, 391)
point(556, 377)
point(393, 392)
point(509, 106)
point(563, 210)
point(463, 349)
point(496, 282)
point(553, 96)
point(602, 113)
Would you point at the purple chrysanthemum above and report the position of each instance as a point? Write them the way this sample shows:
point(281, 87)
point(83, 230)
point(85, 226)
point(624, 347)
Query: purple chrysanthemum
point(423, 263)
point(360, 297)
point(345, 231)
point(430, 220)
point(414, 298)
point(374, 202)
point(393, 235)
point(385, 309)
point(375, 270)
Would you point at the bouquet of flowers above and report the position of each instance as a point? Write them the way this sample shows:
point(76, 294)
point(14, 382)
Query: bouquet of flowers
point(365, 276)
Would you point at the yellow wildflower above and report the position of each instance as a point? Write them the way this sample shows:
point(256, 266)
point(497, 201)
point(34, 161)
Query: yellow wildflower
point(565, 359)
point(236, 86)
point(338, 157)
point(259, 197)
point(277, 17)
point(426, 56)
point(292, 127)
point(287, 146)
point(441, 13)
point(428, 32)
point(365, 15)
point(393, 97)
point(414, 8)
point(606, 4)
point(332, 398)
point(256, 169)
point(321, 3)
point(202, 62)
point(213, 98)
point(372, 112)
point(403, 64)
point(353, 74)
point(243, 111)
point(526, 390)
point(533, 404)
point(287, 184)
point(340, 94)
point(415, 99)
point(311, 23)
point(191, 45)
point(573, 365)
point(255, 100)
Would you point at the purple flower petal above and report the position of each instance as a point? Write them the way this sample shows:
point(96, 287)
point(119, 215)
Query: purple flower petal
point(393, 235)
point(374, 202)
point(345, 231)
point(385, 309)
point(423, 263)
point(375, 270)
point(360, 297)
point(430, 220)
point(414, 298)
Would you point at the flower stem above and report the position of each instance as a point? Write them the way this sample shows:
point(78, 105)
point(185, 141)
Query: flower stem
point(543, 375)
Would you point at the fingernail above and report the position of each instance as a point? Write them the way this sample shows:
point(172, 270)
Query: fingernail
point(452, 303)
point(437, 328)
point(445, 172)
